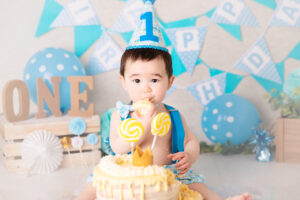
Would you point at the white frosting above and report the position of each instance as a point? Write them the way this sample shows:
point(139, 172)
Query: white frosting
point(109, 165)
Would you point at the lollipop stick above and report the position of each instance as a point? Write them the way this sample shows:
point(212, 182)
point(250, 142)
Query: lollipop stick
point(153, 143)
point(69, 155)
point(132, 148)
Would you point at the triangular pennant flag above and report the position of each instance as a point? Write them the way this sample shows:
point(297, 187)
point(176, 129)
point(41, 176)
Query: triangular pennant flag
point(210, 13)
point(128, 19)
point(179, 23)
point(199, 61)
point(106, 56)
point(295, 53)
point(232, 81)
point(126, 36)
point(84, 37)
point(207, 90)
point(77, 13)
point(269, 3)
point(178, 67)
point(280, 69)
point(268, 85)
point(50, 11)
point(234, 12)
point(214, 72)
point(234, 30)
point(257, 61)
point(165, 36)
point(188, 42)
point(287, 14)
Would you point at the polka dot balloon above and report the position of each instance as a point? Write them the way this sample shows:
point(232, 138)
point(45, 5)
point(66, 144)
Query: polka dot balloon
point(229, 117)
point(53, 62)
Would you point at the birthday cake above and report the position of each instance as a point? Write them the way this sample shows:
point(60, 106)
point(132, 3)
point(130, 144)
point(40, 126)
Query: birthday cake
point(116, 178)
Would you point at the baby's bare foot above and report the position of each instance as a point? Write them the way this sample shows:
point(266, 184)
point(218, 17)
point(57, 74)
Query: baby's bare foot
point(245, 196)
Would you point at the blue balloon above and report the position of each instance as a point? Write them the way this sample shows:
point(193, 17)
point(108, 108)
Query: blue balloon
point(53, 62)
point(229, 118)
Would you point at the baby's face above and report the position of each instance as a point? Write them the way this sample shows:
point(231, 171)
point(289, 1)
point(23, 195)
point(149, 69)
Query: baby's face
point(146, 80)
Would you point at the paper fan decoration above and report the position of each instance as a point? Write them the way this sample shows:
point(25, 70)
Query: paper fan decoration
point(42, 152)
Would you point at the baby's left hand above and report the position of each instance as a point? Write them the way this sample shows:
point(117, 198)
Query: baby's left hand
point(184, 159)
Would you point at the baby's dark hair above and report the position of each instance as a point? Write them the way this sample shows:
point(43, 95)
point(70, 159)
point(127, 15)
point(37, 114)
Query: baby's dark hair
point(146, 54)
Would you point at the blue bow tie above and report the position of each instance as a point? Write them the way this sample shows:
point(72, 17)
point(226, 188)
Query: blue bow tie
point(124, 109)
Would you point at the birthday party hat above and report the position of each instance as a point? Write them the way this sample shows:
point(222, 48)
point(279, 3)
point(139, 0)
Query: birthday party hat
point(148, 33)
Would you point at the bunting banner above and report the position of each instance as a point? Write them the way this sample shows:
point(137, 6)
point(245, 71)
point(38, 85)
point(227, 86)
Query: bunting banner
point(268, 3)
point(178, 66)
point(84, 37)
point(129, 17)
point(287, 14)
point(207, 90)
point(233, 30)
point(231, 81)
point(187, 42)
point(295, 53)
point(234, 12)
point(77, 13)
point(257, 61)
point(270, 85)
point(50, 11)
point(105, 57)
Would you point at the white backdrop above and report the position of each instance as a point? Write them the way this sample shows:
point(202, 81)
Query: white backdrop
point(19, 20)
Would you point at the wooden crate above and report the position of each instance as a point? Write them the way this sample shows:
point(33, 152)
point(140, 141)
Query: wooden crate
point(287, 140)
point(13, 134)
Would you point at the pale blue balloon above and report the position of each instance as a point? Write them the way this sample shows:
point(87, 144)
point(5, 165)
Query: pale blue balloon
point(291, 82)
point(231, 118)
point(53, 62)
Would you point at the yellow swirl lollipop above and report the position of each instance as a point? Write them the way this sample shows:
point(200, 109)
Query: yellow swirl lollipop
point(131, 130)
point(161, 124)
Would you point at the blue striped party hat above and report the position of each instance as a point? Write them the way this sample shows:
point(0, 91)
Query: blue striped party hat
point(148, 33)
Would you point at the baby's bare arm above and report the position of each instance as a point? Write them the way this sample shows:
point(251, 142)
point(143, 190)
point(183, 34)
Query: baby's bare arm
point(118, 145)
point(191, 144)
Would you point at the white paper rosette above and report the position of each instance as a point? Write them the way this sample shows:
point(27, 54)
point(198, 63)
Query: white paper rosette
point(42, 152)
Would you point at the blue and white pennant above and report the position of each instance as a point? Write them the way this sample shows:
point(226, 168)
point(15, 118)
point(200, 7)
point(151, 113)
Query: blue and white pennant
point(287, 14)
point(106, 56)
point(209, 89)
point(234, 12)
point(77, 13)
point(187, 42)
point(129, 17)
point(257, 61)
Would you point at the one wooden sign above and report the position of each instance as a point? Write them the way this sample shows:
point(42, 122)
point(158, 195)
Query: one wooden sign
point(45, 95)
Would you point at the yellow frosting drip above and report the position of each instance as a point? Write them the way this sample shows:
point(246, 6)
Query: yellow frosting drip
point(187, 194)
point(157, 178)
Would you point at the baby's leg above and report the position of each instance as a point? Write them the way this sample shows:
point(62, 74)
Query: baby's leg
point(204, 191)
point(88, 192)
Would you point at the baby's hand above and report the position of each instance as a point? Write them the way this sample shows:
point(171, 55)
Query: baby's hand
point(184, 161)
